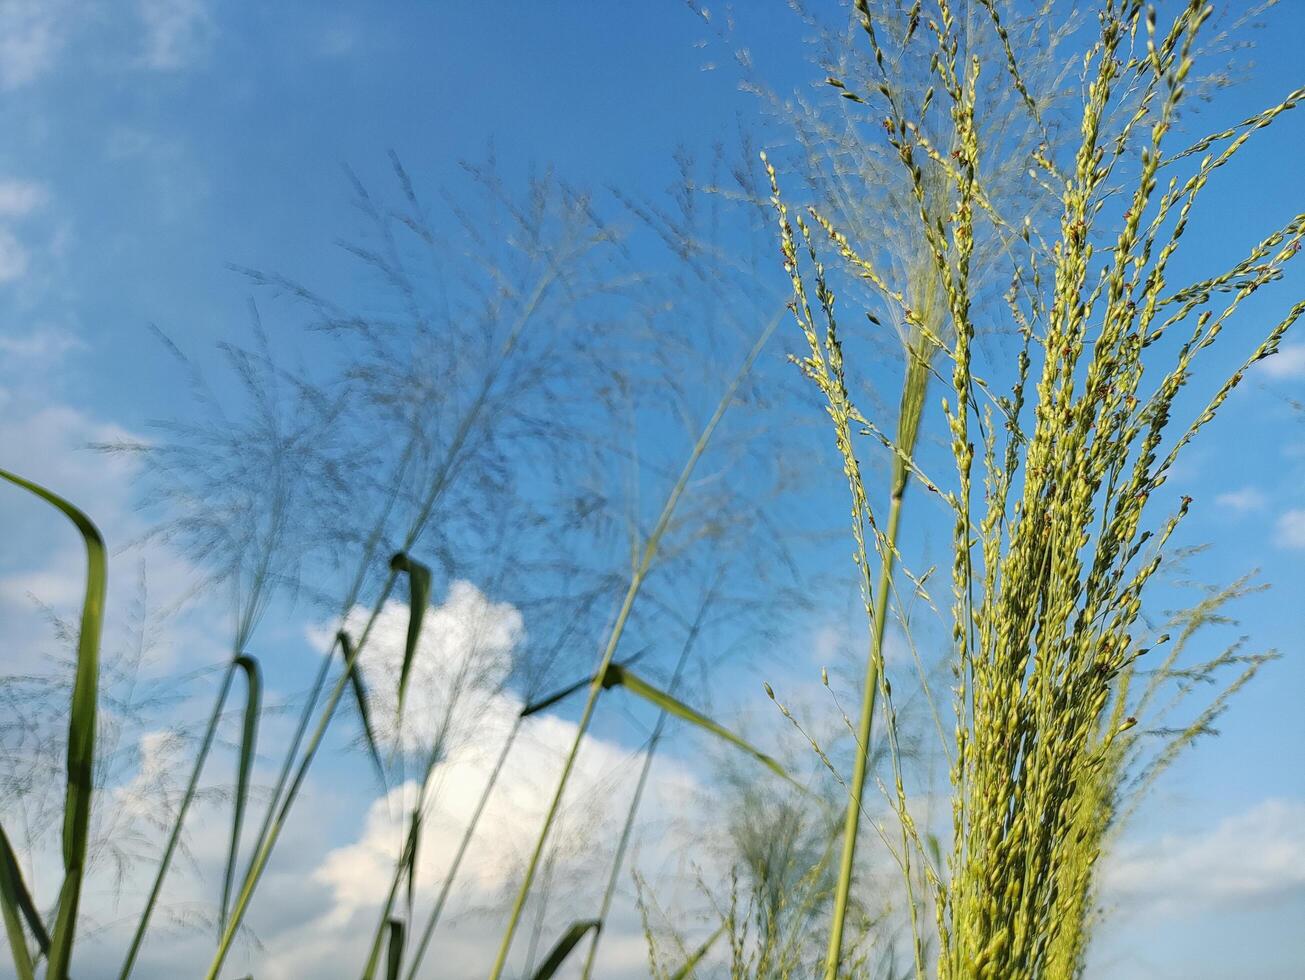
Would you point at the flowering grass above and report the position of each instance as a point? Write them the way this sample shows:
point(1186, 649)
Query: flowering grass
point(1053, 501)
point(1051, 563)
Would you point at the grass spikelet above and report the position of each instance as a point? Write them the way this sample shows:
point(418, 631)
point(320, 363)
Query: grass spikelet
point(1050, 570)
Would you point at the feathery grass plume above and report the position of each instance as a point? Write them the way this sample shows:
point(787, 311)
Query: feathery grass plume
point(1133, 760)
point(785, 856)
point(497, 351)
point(878, 203)
point(723, 593)
point(672, 383)
point(136, 707)
point(627, 828)
point(247, 495)
point(825, 368)
point(1048, 586)
point(647, 554)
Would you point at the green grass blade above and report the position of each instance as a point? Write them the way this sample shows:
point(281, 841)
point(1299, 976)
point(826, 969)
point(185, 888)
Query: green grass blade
point(13, 875)
point(406, 865)
point(544, 703)
point(687, 968)
point(394, 951)
point(562, 950)
point(16, 904)
point(360, 699)
point(418, 598)
point(81, 728)
point(620, 677)
point(248, 742)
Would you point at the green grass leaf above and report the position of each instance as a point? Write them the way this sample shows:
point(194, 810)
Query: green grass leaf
point(687, 968)
point(547, 702)
point(360, 699)
point(418, 599)
point(248, 743)
point(558, 954)
point(81, 728)
point(618, 676)
point(16, 903)
point(394, 950)
point(544, 703)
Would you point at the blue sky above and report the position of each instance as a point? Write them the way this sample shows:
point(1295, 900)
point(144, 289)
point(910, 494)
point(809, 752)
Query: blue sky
point(150, 145)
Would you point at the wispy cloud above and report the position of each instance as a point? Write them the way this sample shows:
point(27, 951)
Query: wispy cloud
point(44, 344)
point(1291, 529)
point(14, 257)
point(177, 32)
point(1243, 500)
point(31, 34)
point(19, 198)
point(1258, 855)
point(1287, 364)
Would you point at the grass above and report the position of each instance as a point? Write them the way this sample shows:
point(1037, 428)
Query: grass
point(57, 947)
point(1050, 570)
point(1063, 695)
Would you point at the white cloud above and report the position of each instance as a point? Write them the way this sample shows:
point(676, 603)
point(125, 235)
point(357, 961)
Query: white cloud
point(336, 42)
point(30, 37)
point(463, 657)
point(1243, 500)
point(1255, 856)
point(1291, 529)
point(45, 343)
point(469, 630)
point(13, 257)
point(1287, 364)
point(177, 32)
point(19, 198)
point(43, 556)
point(358, 874)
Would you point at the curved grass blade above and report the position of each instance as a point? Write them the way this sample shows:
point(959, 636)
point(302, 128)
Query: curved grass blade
point(618, 676)
point(248, 742)
point(547, 702)
point(543, 704)
point(81, 728)
point(394, 952)
point(360, 699)
point(16, 904)
point(562, 950)
point(418, 598)
point(687, 968)
point(11, 880)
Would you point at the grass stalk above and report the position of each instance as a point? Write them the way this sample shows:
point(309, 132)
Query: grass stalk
point(640, 573)
point(865, 726)
point(447, 885)
point(448, 468)
point(618, 859)
point(174, 836)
